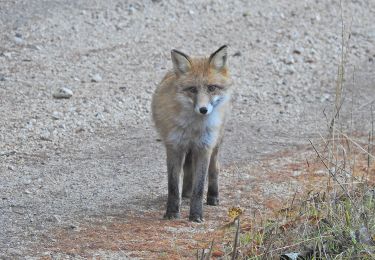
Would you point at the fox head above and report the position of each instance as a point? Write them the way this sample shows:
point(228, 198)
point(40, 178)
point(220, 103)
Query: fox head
point(202, 83)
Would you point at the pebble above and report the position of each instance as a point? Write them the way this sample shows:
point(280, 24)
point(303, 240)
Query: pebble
point(99, 116)
point(279, 101)
point(237, 54)
point(291, 70)
point(96, 78)
point(18, 40)
point(35, 47)
point(63, 92)
point(131, 9)
point(45, 135)
point(56, 115)
point(73, 227)
point(289, 60)
point(79, 130)
point(54, 218)
point(7, 55)
point(298, 50)
point(325, 97)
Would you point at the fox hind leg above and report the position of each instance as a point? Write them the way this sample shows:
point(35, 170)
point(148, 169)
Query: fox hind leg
point(213, 175)
point(188, 176)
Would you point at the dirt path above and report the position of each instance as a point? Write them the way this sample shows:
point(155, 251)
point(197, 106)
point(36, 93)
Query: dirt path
point(79, 172)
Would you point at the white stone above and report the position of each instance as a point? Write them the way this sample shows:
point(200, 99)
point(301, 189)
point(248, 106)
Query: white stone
point(63, 92)
point(96, 78)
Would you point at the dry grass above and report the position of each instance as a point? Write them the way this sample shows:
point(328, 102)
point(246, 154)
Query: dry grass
point(331, 221)
point(334, 222)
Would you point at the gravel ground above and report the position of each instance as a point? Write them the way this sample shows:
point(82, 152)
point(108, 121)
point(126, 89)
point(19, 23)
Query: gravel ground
point(96, 153)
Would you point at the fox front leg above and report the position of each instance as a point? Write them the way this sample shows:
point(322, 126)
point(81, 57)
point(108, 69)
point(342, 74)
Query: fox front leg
point(201, 161)
point(174, 166)
point(213, 175)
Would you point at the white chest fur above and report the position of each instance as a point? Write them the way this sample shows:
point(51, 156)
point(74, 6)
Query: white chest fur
point(194, 129)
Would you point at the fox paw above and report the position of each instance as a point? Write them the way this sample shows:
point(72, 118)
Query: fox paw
point(171, 215)
point(213, 201)
point(196, 218)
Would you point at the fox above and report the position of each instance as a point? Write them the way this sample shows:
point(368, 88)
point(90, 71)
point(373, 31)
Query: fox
point(190, 108)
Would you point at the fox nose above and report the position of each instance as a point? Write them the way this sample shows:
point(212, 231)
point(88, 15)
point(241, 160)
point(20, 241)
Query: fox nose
point(203, 110)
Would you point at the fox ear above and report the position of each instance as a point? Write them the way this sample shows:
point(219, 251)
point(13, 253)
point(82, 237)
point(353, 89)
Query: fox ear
point(218, 59)
point(181, 62)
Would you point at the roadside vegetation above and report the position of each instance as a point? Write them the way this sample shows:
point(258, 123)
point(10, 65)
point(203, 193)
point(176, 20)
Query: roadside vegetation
point(336, 220)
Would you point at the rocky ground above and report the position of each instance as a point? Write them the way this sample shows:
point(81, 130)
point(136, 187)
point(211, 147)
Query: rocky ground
point(84, 176)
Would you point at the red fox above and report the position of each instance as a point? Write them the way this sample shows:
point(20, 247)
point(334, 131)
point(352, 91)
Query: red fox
point(190, 108)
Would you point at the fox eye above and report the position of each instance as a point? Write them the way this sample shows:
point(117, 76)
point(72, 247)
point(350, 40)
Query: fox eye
point(212, 88)
point(191, 89)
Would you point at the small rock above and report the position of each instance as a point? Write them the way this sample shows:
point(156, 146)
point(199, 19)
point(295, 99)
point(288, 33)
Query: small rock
point(99, 116)
point(325, 97)
point(73, 227)
point(289, 60)
point(291, 70)
point(54, 218)
point(7, 153)
point(96, 78)
point(290, 256)
point(79, 130)
point(56, 115)
point(131, 9)
point(308, 60)
point(237, 54)
point(271, 62)
point(298, 50)
point(279, 101)
point(45, 135)
point(2, 77)
point(363, 236)
point(18, 40)
point(35, 47)
point(11, 168)
point(63, 92)
point(7, 55)
point(30, 124)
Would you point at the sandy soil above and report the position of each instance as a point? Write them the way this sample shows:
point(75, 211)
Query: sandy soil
point(85, 176)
